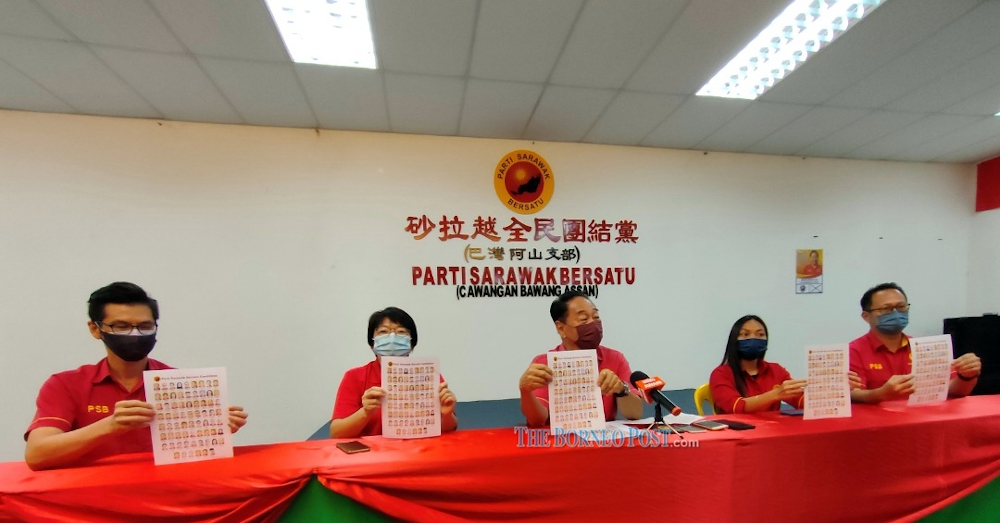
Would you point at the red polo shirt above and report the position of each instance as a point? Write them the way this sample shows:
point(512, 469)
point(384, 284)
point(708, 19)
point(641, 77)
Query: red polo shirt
point(606, 359)
point(875, 364)
point(76, 398)
point(728, 400)
point(352, 387)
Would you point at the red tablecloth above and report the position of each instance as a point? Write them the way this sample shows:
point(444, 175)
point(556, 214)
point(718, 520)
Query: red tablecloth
point(886, 463)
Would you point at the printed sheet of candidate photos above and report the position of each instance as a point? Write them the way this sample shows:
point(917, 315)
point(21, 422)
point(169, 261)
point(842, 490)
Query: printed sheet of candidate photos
point(931, 367)
point(575, 402)
point(192, 414)
point(828, 393)
point(412, 407)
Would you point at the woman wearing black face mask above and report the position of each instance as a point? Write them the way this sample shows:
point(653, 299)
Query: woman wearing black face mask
point(745, 382)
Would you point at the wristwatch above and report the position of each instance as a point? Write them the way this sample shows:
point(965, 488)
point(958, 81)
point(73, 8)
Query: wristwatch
point(624, 392)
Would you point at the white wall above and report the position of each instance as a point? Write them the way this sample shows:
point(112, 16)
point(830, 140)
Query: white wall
point(984, 263)
point(268, 249)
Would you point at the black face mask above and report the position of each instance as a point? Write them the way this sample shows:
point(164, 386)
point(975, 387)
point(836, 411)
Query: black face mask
point(129, 348)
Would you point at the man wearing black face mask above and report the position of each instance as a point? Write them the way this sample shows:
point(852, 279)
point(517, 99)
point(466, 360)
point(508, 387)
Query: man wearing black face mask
point(101, 410)
point(579, 325)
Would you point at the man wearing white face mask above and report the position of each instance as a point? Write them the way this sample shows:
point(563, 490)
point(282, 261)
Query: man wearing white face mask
point(579, 325)
point(357, 410)
point(882, 358)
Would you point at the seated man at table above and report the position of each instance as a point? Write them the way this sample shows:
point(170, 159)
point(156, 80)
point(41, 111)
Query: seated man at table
point(579, 325)
point(882, 358)
point(101, 410)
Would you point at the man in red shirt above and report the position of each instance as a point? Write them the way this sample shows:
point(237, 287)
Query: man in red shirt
point(101, 410)
point(579, 325)
point(882, 358)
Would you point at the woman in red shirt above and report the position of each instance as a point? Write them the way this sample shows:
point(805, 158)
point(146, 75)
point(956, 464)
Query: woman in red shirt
point(745, 382)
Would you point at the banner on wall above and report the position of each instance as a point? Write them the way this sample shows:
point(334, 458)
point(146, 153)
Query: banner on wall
point(809, 271)
point(502, 256)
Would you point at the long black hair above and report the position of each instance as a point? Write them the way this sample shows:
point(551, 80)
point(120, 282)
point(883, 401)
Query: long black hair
point(732, 356)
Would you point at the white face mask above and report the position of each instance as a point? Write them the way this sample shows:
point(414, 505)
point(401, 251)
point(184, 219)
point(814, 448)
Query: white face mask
point(392, 344)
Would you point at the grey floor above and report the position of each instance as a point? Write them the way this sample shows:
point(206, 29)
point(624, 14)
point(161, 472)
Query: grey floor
point(507, 413)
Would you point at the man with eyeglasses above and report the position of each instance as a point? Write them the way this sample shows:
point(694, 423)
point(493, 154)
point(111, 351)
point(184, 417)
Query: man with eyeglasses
point(882, 359)
point(101, 410)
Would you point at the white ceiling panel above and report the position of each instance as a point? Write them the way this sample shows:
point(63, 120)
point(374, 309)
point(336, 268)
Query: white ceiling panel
point(974, 153)
point(693, 121)
point(498, 109)
point(704, 38)
point(611, 39)
point(426, 37)
point(75, 75)
point(631, 117)
point(424, 104)
point(984, 129)
point(174, 84)
point(122, 23)
point(750, 126)
point(22, 18)
point(813, 126)
point(866, 130)
point(224, 28)
point(520, 40)
point(877, 40)
point(982, 103)
point(565, 114)
point(914, 135)
point(17, 90)
point(345, 98)
point(969, 80)
point(263, 93)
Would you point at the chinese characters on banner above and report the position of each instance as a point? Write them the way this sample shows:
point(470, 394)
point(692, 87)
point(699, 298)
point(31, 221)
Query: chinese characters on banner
point(828, 394)
point(192, 414)
point(809, 271)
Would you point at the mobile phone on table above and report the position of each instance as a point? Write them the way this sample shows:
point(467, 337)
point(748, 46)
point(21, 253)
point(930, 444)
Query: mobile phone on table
point(687, 428)
point(735, 425)
point(709, 424)
point(353, 447)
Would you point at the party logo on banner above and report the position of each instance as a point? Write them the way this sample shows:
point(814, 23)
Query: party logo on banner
point(524, 181)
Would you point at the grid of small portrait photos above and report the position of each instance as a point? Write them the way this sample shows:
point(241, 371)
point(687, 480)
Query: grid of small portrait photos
point(192, 414)
point(574, 399)
point(412, 407)
point(828, 393)
point(931, 364)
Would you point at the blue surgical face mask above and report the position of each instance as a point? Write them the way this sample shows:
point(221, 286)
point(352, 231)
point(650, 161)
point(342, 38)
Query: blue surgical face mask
point(751, 348)
point(392, 344)
point(893, 322)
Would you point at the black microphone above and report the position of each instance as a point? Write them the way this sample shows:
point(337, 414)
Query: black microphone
point(650, 388)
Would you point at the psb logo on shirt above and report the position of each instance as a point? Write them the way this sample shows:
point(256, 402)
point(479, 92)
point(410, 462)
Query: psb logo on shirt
point(524, 181)
point(98, 409)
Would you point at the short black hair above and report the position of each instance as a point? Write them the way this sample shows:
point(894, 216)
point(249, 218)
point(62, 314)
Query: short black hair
point(119, 292)
point(866, 298)
point(560, 306)
point(397, 316)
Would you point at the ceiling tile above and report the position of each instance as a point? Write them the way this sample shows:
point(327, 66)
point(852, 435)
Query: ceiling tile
point(750, 126)
point(23, 18)
point(694, 120)
point(868, 129)
point(985, 129)
point(520, 40)
point(610, 40)
point(914, 135)
point(345, 97)
point(174, 84)
point(20, 93)
point(75, 75)
point(951, 89)
point(121, 23)
point(813, 126)
point(263, 93)
point(631, 117)
point(565, 114)
point(498, 109)
point(424, 104)
point(427, 37)
point(224, 28)
point(983, 103)
point(704, 38)
point(976, 153)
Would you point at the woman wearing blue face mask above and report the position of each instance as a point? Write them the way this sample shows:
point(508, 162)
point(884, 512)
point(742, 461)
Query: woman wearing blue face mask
point(745, 382)
point(357, 410)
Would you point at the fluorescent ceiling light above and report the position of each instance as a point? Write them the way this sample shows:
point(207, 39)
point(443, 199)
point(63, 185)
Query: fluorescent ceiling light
point(998, 113)
point(799, 32)
point(327, 32)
